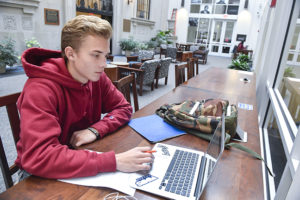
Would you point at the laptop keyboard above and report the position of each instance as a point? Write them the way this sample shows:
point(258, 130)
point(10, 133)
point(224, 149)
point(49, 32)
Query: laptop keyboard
point(179, 176)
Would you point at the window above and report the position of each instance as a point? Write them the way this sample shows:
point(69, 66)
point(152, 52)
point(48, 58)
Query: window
point(278, 99)
point(143, 9)
point(192, 29)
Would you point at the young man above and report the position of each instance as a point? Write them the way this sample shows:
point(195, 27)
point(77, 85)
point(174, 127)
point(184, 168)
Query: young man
point(61, 105)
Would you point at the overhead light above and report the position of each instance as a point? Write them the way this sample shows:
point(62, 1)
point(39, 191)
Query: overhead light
point(246, 4)
point(182, 3)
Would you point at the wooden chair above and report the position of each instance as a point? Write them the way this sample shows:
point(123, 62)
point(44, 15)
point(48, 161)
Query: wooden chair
point(124, 85)
point(192, 67)
point(180, 73)
point(201, 55)
point(9, 102)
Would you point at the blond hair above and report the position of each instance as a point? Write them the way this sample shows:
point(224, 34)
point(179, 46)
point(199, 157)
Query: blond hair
point(79, 27)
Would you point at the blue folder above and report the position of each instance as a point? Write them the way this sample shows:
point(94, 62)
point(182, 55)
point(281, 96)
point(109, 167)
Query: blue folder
point(154, 129)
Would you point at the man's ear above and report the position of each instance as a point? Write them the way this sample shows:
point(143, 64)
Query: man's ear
point(70, 53)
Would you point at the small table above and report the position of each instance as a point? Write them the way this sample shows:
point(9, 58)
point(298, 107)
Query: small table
point(123, 64)
point(112, 72)
point(182, 56)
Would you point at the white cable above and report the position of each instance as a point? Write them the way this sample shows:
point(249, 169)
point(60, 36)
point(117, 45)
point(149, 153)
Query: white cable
point(116, 196)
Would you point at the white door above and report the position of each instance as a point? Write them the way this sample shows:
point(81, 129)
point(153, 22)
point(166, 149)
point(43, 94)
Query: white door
point(221, 38)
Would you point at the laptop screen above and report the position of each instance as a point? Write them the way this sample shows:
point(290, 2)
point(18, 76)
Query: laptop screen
point(213, 153)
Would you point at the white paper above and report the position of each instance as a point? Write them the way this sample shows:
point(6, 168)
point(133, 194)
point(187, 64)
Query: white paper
point(115, 180)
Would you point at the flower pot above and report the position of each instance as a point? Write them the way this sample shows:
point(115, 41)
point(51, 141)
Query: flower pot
point(127, 53)
point(2, 68)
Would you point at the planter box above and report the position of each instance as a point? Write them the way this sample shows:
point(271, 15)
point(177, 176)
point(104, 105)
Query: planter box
point(2, 69)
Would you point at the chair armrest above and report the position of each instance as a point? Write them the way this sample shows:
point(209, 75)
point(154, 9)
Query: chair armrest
point(146, 59)
point(136, 65)
point(129, 69)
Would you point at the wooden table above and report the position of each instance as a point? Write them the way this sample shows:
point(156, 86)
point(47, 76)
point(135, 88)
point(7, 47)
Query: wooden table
point(237, 175)
point(112, 72)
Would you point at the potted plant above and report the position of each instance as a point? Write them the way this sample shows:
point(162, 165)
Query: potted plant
point(128, 45)
point(162, 37)
point(32, 43)
point(151, 44)
point(7, 54)
point(289, 72)
point(242, 62)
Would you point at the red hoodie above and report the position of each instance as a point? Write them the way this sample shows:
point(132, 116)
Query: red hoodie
point(52, 106)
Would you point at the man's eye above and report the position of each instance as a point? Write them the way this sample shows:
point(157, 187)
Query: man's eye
point(96, 55)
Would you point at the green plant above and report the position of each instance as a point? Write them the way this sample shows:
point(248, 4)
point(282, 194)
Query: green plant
point(8, 55)
point(289, 72)
point(243, 58)
point(142, 46)
point(32, 43)
point(162, 37)
point(151, 44)
point(128, 44)
point(241, 63)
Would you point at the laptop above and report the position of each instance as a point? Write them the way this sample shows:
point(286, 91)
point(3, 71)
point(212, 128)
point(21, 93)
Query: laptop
point(180, 173)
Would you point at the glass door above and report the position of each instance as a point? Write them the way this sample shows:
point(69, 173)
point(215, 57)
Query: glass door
point(294, 51)
point(221, 38)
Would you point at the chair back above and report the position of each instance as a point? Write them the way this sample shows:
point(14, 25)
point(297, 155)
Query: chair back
point(193, 67)
point(171, 52)
point(164, 67)
point(194, 48)
point(124, 85)
point(145, 55)
point(119, 59)
point(180, 73)
point(149, 68)
point(9, 102)
point(190, 68)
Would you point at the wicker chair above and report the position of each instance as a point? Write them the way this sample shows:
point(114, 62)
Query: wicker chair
point(171, 52)
point(163, 70)
point(143, 55)
point(144, 75)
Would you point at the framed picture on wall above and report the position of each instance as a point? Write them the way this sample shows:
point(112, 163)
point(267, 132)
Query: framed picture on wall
point(51, 16)
point(205, 9)
point(195, 1)
point(221, 2)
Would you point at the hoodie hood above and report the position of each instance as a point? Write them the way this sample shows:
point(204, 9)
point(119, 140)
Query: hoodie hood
point(48, 64)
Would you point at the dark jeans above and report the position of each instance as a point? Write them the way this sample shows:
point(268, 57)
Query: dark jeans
point(22, 174)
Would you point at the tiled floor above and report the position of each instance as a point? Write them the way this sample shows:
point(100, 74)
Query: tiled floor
point(14, 82)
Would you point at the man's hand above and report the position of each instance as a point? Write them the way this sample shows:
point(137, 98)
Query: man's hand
point(132, 160)
point(82, 137)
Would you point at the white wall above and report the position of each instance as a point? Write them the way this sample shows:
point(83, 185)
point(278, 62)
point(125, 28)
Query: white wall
point(141, 30)
point(26, 23)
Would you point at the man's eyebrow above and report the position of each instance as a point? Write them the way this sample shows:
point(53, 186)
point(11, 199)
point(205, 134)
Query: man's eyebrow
point(98, 51)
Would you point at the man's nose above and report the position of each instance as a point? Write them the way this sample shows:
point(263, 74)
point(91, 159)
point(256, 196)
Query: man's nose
point(103, 62)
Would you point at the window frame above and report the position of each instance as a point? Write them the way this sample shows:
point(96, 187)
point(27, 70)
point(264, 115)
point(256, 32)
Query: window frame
point(270, 54)
point(147, 10)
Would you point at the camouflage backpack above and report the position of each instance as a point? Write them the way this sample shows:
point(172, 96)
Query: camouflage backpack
point(201, 115)
point(201, 118)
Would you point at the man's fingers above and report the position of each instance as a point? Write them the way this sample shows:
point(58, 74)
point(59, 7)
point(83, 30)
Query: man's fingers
point(145, 148)
point(143, 167)
point(145, 160)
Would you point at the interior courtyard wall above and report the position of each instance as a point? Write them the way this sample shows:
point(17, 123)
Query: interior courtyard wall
point(20, 25)
point(141, 30)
